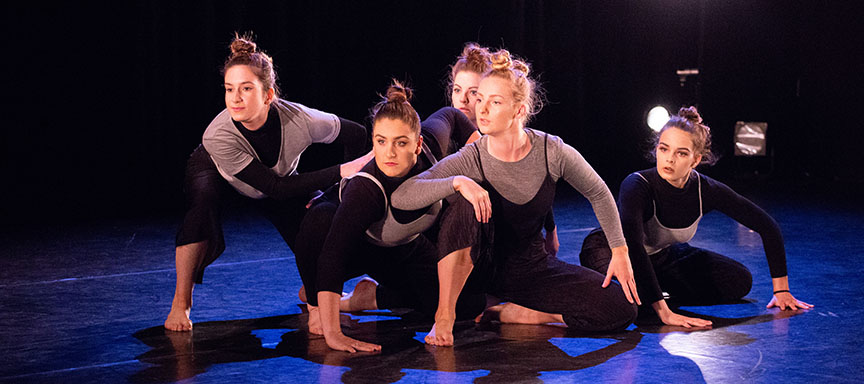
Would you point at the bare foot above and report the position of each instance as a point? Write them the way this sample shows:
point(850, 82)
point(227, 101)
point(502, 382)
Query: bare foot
point(314, 320)
point(517, 314)
point(178, 320)
point(441, 334)
point(302, 294)
point(362, 298)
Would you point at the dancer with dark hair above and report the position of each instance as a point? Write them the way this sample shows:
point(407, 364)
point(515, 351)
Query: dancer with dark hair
point(250, 151)
point(363, 234)
point(508, 178)
point(660, 212)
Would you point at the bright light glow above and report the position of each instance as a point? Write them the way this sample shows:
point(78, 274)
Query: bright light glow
point(657, 118)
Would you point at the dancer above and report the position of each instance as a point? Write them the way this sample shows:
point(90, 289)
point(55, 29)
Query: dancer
point(364, 234)
point(517, 168)
point(464, 79)
point(660, 211)
point(251, 151)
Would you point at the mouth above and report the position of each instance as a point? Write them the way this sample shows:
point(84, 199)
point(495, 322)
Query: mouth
point(465, 110)
point(391, 164)
point(668, 169)
point(483, 122)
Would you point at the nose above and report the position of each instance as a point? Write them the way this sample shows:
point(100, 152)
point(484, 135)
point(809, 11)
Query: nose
point(481, 107)
point(465, 99)
point(391, 151)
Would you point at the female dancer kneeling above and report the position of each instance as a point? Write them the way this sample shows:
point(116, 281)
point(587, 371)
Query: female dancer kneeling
point(250, 151)
point(660, 211)
point(364, 234)
point(518, 168)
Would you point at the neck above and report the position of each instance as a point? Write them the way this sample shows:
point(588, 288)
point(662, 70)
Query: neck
point(510, 145)
point(257, 123)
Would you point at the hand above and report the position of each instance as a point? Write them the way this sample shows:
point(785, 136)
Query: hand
point(671, 318)
point(620, 267)
point(340, 342)
point(350, 168)
point(476, 195)
point(551, 242)
point(785, 300)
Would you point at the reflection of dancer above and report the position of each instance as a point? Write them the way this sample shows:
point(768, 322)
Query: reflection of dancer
point(518, 168)
point(363, 234)
point(660, 211)
point(252, 149)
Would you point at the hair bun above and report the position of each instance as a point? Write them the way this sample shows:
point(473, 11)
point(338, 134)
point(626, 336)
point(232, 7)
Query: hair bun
point(474, 53)
point(501, 60)
point(398, 93)
point(242, 46)
point(690, 113)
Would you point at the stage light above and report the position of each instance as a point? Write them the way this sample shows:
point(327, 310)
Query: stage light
point(657, 118)
point(750, 138)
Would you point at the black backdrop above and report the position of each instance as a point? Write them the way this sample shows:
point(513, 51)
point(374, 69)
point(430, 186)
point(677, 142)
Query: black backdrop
point(105, 101)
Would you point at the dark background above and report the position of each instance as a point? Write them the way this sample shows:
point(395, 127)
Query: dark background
point(105, 101)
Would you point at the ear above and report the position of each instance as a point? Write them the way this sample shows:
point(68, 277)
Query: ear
point(696, 161)
point(521, 112)
point(419, 146)
point(268, 98)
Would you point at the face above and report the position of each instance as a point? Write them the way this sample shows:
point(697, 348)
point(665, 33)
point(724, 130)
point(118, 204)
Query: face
point(464, 92)
point(246, 98)
point(496, 110)
point(396, 147)
point(675, 156)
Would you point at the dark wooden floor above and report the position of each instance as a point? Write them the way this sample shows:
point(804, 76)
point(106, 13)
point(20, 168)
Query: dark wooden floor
point(85, 303)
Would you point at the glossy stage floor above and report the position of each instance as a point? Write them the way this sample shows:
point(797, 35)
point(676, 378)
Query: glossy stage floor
point(85, 303)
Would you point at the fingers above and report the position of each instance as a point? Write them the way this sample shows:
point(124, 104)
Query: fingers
point(608, 279)
point(632, 286)
point(626, 288)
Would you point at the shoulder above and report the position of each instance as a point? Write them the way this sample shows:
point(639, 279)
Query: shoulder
point(294, 111)
point(637, 182)
point(220, 131)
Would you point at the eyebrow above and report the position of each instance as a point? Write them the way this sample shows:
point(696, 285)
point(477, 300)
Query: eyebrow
point(679, 148)
point(245, 82)
point(395, 138)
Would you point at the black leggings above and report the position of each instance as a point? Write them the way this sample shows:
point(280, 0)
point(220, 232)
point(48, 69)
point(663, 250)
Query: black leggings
point(207, 192)
point(407, 274)
point(690, 275)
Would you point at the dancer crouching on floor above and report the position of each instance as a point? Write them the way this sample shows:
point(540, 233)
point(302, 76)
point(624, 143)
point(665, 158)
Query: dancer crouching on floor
point(660, 211)
point(508, 177)
point(364, 234)
point(250, 151)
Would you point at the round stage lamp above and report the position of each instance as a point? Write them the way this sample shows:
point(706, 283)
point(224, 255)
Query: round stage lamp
point(657, 118)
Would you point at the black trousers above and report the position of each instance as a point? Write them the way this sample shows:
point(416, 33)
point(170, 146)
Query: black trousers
point(537, 280)
point(207, 192)
point(690, 275)
point(407, 274)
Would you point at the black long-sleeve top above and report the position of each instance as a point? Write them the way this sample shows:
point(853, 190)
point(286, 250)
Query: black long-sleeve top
point(679, 208)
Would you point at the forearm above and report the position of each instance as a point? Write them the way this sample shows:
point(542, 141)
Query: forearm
point(287, 187)
point(780, 283)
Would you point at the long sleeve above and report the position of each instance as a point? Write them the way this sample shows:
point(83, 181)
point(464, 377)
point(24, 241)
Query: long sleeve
point(354, 139)
point(448, 129)
point(362, 205)
point(635, 201)
point(436, 183)
point(569, 164)
point(724, 199)
point(260, 177)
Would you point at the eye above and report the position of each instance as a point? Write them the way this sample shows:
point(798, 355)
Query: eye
point(683, 154)
point(401, 143)
point(456, 90)
point(380, 141)
point(229, 89)
point(474, 92)
point(247, 89)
